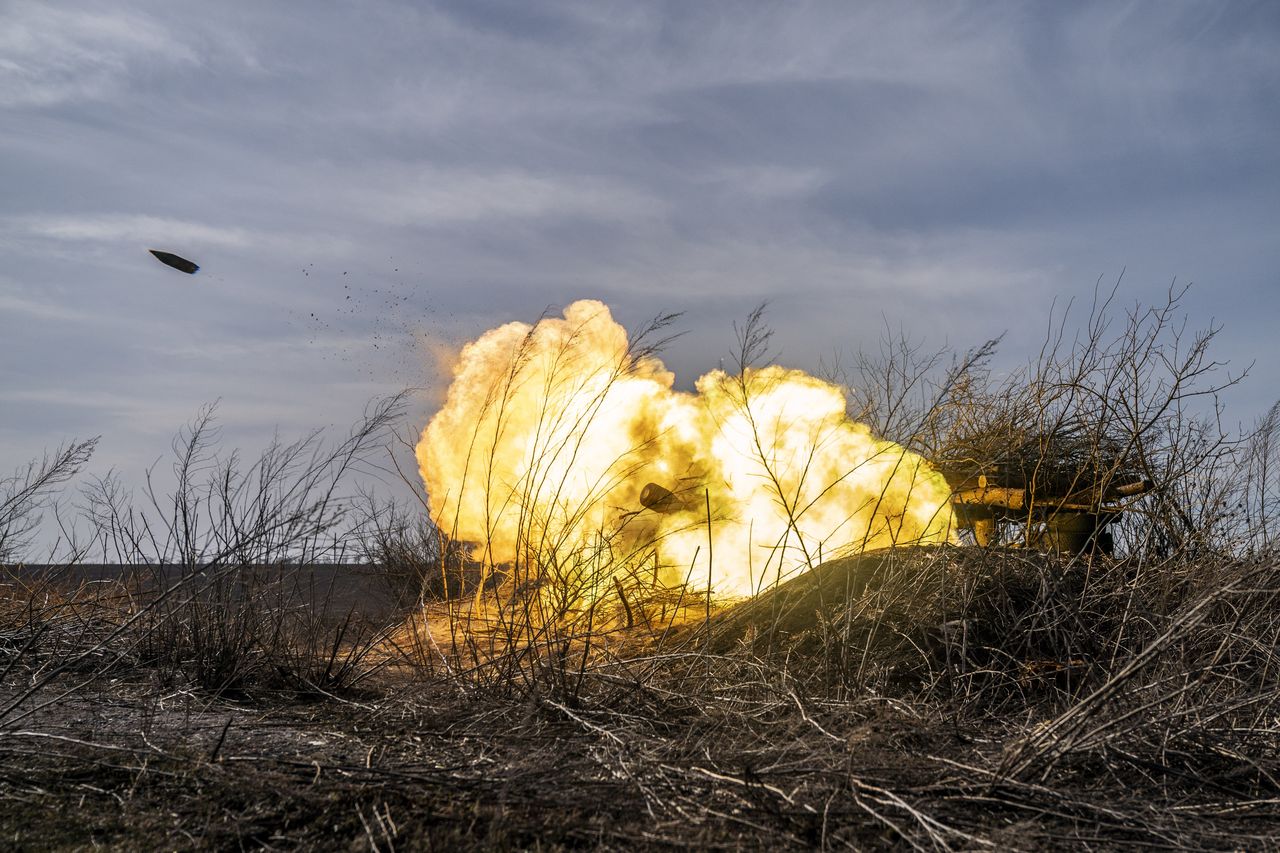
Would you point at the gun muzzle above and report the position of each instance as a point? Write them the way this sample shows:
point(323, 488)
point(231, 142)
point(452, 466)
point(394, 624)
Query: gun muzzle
point(660, 499)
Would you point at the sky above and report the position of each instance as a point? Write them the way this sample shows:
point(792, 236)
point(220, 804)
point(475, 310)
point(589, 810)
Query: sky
point(368, 185)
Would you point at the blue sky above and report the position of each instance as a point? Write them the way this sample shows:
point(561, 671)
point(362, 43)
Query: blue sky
point(369, 184)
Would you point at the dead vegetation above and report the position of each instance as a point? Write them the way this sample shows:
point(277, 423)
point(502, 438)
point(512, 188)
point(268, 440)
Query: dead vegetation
point(951, 697)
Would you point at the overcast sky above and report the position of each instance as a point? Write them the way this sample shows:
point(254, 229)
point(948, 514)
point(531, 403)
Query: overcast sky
point(366, 185)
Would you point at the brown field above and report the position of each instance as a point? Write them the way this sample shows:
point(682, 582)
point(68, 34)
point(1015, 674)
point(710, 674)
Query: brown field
point(941, 698)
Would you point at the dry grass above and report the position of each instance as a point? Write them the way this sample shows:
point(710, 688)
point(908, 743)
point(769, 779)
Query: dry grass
point(945, 698)
point(958, 700)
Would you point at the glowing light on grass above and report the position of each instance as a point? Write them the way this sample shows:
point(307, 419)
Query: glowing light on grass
point(549, 434)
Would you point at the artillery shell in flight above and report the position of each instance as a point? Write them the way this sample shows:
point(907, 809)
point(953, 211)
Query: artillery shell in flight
point(178, 263)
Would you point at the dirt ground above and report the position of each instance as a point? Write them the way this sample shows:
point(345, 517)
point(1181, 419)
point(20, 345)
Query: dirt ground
point(117, 765)
point(906, 726)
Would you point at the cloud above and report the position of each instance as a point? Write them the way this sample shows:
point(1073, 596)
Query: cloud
point(424, 195)
point(14, 305)
point(50, 54)
point(768, 182)
point(132, 227)
point(117, 240)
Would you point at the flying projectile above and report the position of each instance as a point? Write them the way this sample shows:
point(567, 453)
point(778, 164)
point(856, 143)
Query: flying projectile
point(174, 261)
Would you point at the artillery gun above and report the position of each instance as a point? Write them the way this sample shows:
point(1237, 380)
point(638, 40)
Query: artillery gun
point(1068, 518)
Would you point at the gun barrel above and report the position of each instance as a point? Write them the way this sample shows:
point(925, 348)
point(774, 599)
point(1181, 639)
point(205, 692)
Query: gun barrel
point(660, 499)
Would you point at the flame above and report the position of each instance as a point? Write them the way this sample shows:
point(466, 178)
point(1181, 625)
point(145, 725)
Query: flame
point(550, 432)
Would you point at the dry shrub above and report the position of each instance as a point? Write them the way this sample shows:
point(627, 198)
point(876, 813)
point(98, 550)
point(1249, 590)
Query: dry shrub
point(938, 698)
point(217, 584)
point(252, 628)
point(30, 490)
point(48, 614)
point(1127, 395)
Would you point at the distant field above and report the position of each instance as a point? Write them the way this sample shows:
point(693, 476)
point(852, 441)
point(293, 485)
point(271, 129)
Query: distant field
point(341, 587)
